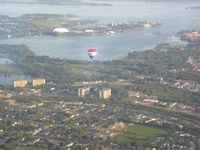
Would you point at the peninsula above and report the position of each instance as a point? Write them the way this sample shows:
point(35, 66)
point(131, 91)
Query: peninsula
point(54, 24)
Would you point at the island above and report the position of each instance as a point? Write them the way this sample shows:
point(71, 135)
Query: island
point(54, 24)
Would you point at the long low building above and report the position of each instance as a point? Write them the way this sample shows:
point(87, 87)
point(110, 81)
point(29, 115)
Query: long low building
point(150, 101)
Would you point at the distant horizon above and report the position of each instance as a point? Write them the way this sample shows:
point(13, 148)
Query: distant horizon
point(72, 1)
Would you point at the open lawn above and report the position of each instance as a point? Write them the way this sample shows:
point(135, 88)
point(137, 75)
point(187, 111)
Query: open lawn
point(28, 148)
point(138, 132)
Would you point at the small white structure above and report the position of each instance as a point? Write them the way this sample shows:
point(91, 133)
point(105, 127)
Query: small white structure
point(147, 25)
point(89, 31)
point(61, 30)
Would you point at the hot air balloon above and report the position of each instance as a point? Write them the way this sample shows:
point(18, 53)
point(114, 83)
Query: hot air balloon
point(92, 53)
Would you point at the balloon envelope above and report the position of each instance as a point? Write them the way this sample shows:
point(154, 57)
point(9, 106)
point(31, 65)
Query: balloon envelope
point(92, 53)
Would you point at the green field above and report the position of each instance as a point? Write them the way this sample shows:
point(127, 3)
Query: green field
point(28, 148)
point(138, 132)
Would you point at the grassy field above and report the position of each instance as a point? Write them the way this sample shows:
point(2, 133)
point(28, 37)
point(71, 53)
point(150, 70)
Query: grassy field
point(138, 132)
point(47, 23)
point(28, 148)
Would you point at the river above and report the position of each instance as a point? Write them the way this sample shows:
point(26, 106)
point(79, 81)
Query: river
point(173, 15)
point(7, 79)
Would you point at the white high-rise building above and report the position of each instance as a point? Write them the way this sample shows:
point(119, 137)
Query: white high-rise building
point(83, 91)
point(105, 93)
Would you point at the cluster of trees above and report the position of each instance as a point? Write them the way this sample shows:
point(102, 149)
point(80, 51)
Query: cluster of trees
point(15, 51)
point(153, 62)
